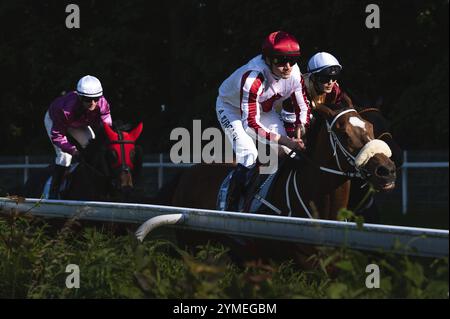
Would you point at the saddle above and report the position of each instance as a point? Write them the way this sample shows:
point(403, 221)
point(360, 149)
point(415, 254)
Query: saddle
point(256, 190)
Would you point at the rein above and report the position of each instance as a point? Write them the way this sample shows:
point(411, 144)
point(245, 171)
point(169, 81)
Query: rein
point(288, 201)
point(335, 144)
point(93, 169)
point(374, 109)
point(120, 141)
point(369, 109)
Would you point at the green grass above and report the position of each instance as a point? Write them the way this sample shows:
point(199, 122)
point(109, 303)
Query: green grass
point(34, 256)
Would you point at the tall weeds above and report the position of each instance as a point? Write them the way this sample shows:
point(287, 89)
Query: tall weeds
point(34, 256)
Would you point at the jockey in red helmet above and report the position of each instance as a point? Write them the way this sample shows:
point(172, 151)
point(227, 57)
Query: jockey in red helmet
point(74, 114)
point(245, 105)
point(279, 47)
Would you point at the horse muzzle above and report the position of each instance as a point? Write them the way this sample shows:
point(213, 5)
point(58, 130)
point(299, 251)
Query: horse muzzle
point(374, 158)
point(381, 172)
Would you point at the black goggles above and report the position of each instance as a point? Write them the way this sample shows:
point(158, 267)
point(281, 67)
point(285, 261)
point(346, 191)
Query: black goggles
point(88, 99)
point(327, 78)
point(283, 60)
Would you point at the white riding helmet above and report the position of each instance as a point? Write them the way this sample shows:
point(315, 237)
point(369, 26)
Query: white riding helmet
point(321, 61)
point(89, 86)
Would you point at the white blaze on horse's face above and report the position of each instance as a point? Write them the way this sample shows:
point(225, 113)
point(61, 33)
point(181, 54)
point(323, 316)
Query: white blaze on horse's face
point(357, 122)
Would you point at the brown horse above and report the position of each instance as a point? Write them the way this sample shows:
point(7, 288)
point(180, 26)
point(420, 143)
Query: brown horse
point(361, 201)
point(345, 147)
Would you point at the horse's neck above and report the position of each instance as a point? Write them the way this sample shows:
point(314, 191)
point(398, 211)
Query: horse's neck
point(329, 192)
point(332, 190)
point(95, 159)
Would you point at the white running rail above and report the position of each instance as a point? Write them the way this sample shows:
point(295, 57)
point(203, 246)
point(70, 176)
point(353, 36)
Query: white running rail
point(160, 165)
point(411, 240)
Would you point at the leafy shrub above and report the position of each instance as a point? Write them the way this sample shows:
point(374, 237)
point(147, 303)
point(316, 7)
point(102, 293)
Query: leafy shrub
point(34, 256)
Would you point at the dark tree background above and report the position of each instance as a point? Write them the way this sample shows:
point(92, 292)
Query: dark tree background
point(177, 53)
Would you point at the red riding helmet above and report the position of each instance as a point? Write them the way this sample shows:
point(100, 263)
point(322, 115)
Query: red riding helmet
point(280, 43)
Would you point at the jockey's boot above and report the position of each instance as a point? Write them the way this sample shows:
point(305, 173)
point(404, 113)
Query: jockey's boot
point(57, 177)
point(237, 187)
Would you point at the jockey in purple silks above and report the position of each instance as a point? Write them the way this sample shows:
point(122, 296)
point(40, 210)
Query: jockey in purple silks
point(74, 114)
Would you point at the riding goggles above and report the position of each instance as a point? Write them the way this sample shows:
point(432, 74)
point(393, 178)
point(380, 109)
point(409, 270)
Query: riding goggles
point(88, 99)
point(327, 78)
point(283, 60)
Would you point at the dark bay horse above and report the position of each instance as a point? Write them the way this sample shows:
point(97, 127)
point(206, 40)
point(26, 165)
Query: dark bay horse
point(107, 171)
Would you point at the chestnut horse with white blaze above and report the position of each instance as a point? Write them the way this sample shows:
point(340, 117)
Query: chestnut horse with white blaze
point(317, 186)
point(344, 148)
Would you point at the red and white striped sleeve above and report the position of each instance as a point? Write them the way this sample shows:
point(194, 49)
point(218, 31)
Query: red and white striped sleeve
point(251, 88)
point(301, 105)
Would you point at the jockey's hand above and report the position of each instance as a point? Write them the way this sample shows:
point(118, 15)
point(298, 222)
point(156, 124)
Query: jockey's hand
point(299, 144)
point(292, 143)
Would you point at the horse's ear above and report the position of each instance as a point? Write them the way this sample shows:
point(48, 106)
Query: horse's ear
point(134, 134)
point(325, 111)
point(112, 136)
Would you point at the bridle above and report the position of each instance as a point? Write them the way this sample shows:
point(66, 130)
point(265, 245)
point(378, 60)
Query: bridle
point(122, 143)
point(337, 145)
point(374, 109)
point(124, 167)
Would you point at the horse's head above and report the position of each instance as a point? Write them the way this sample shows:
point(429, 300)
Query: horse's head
point(382, 131)
point(124, 157)
point(355, 148)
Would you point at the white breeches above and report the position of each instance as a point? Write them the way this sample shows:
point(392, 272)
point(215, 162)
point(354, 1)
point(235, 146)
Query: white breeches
point(81, 134)
point(243, 138)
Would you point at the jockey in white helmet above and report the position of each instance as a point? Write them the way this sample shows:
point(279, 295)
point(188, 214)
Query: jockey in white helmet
point(74, 114)
point(321, 80)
